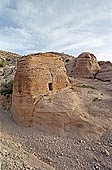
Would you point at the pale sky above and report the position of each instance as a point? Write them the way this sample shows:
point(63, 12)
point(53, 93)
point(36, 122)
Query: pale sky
point(69, 26)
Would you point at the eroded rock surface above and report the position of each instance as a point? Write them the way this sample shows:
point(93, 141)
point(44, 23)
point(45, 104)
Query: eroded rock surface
point(86, 66)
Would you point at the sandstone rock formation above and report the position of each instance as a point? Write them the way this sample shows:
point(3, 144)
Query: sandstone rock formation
point(37, 77)
point(86, 66)
point(70, 67)
point(105, 74)
point(69, 62)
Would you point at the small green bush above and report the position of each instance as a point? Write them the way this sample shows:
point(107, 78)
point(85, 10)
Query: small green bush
point(3, 63)
point(88, 86)
point(85, 86)
point(7, 88)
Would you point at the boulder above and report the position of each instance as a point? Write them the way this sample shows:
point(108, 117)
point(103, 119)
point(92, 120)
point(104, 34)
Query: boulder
point(86, 66)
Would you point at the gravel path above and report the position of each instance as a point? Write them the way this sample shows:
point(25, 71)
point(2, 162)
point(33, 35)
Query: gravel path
point(15, 158)
point(62, 153)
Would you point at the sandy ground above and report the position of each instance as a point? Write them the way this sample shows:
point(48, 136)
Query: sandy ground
point(68, 152)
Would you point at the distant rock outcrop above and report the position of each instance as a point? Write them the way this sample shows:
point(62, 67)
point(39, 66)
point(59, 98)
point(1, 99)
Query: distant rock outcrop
point(86, 66)
point(104, 64)
point(105, 74)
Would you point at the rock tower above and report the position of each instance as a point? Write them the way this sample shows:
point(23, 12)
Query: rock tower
point(86, 65)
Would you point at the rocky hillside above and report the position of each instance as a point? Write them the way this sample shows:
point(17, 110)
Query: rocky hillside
point(8, 63)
